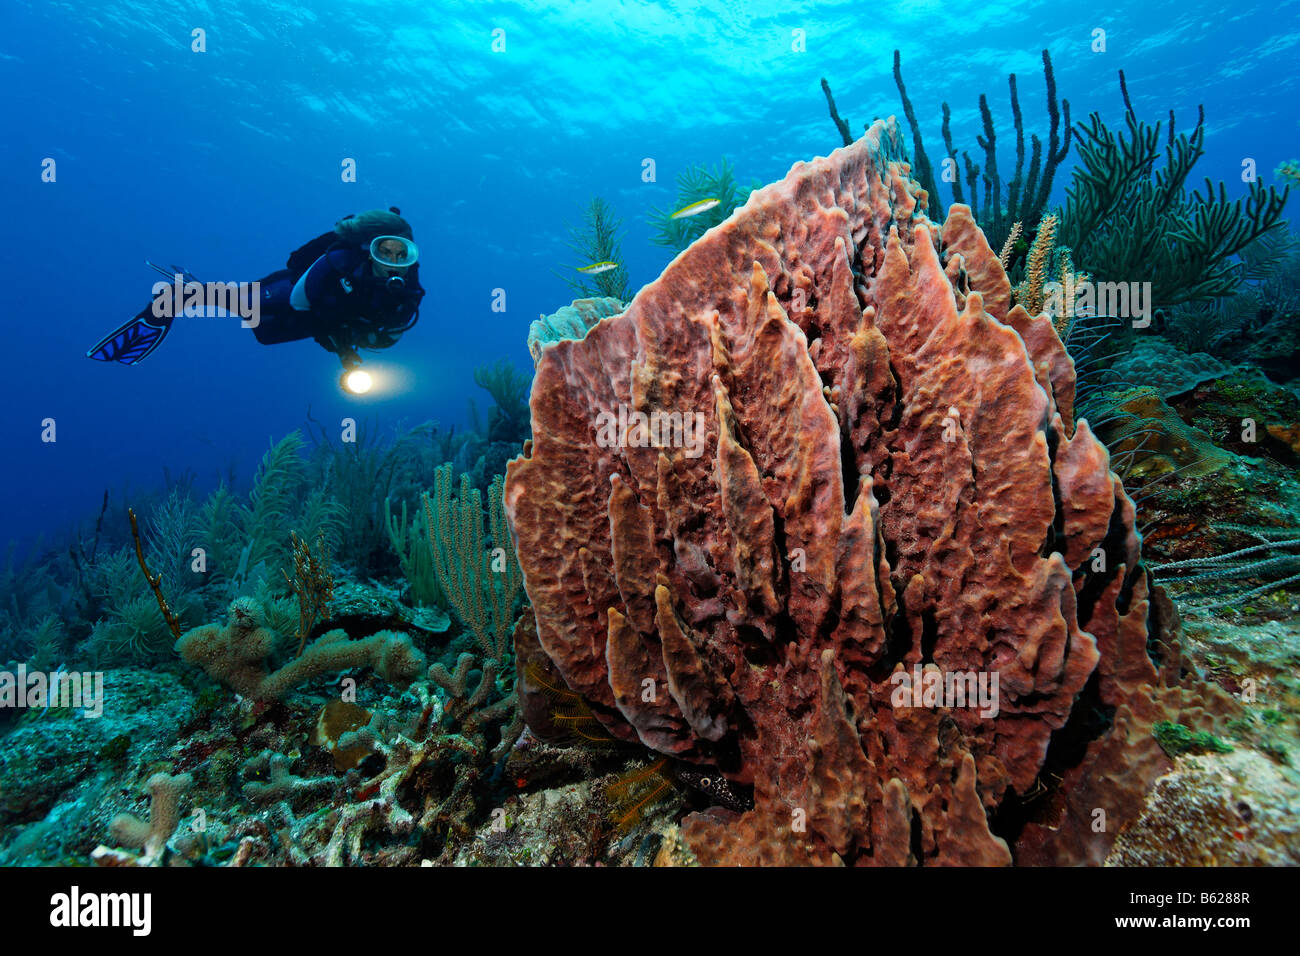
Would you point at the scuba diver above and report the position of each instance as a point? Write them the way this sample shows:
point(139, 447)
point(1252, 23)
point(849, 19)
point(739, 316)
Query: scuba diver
point(357, 286)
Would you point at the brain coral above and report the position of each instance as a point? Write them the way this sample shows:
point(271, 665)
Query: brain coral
point(885, 481)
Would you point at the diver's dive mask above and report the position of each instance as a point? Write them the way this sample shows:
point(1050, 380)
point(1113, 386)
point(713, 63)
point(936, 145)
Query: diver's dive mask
point(393, 253)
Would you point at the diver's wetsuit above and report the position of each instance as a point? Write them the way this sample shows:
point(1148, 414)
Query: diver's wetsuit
point(329, 292)
point(339, 302)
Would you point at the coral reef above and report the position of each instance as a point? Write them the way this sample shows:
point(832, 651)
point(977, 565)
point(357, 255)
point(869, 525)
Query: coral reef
point(312, 585)
point(838, 552)
point(1153, 363)
point(64, 757)
point(568, 825)
point(1240, 810)
point(1260, 323)
point(361, 610)
point(1147, 438)
point(1176, 740)
point(1207, 452)
point(410, 541)
point(887, 440)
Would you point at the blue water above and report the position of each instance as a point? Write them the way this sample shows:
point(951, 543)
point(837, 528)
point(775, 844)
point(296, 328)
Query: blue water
point(224, 161)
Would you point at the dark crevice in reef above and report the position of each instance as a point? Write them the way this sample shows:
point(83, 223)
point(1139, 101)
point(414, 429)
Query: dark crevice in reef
point(1113, 550)
point(898, 641)
point(896, 414)
point(833, 613)
point(785, 632)
point(884, 463)
point(1162, 630)
point(963, 282)
point(781, 566)
point(1054, 542)
point(848, 471)
point(860, 275)
point(759, 650)
point(880, 484)
point(1088, 721)
point(929, 635)
point(915, 841)
point(726, 754)
point(1125, 596)
point(754, 645)
point(811, 335)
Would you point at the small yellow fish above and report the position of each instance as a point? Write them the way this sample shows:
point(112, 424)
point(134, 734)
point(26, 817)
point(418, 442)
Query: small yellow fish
point(596, 268)
point(695, 208)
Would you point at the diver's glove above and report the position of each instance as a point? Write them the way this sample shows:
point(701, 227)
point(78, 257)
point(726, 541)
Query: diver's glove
point(349, 357)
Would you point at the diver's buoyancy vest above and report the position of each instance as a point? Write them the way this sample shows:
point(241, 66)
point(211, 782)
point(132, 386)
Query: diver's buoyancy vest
point(302, 258)
point(363, 305)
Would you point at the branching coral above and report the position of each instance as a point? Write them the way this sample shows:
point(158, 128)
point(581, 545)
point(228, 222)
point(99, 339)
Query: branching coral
point(266, 520)
point(595, 241)
point(482, 584)
point(360, 473)
point(236, 655)
point(153, 581)
point(151, 836)
point(46, 643)
point(1264, 311)
point(892, 483)
point(1050, 281)
point(1009, 247)
point(508, 418)
point(698, 184)
point(312, 584)
point(1129, 221)
point(1208, 326)
point(1026, 196)
point(410, 540)
point(1030, 293)
point(1274, 557)
point(28, 594)
point(173, 533)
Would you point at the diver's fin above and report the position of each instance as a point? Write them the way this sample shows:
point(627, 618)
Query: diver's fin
point(135, 339)
point(132, 341)
point(172, 272)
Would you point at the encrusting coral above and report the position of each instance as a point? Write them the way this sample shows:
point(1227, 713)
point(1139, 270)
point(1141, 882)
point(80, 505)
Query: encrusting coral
point(889, 482)
point(571, 321)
